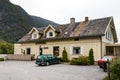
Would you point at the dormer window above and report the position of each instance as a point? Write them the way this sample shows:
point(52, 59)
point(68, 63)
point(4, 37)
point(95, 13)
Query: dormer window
point(50, 34)
point(34, 36)
point(35, 33)
point(51, 31)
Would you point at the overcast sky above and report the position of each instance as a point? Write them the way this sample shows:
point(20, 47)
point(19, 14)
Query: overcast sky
point(60, 11)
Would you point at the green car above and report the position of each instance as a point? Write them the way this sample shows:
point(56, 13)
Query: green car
point(47, 59)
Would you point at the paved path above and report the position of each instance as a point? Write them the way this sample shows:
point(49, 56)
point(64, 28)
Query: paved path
point(28, 70)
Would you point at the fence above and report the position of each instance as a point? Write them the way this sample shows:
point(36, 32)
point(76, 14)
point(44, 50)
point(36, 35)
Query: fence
point(20, 57)
point(3, 56)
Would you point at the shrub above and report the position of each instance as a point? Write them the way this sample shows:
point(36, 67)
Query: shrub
point(115, 69)
point(6, 48)
point(82, 60)
point(74, 61)
point(91, 57)
point(1, 59)
point(64, 56)
point(106, 78)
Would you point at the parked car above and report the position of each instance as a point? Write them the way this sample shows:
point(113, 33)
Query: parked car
point(102, 63)
point(47, 59)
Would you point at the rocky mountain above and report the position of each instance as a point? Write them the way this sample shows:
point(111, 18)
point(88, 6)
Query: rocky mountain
point(16, 22)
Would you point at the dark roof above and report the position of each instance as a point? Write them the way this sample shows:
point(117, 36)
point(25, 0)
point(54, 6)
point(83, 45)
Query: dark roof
point(88, 28)
point(96, 27)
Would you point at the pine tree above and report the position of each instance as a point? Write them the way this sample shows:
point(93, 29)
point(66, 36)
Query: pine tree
point(91, 56)
point(64, 55)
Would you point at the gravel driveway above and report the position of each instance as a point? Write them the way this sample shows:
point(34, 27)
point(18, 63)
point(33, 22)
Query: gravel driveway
point(28, 70)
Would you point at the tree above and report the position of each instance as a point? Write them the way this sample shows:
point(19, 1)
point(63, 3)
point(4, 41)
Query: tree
point(6, 48)
point(91, 56)
point(64, 55)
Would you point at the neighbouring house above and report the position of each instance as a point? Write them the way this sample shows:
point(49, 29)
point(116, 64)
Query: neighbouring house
point(77, 37)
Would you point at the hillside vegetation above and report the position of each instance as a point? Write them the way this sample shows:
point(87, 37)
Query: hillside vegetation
point(15, 22)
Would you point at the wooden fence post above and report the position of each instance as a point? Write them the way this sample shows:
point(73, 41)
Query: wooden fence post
point(108, 69)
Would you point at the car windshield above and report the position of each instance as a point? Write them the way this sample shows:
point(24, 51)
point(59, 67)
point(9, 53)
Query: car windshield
point(42, 56)
point(107, 58)
point(49, 55)
point(39, 57)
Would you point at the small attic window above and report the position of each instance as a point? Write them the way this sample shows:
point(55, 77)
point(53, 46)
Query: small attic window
point(66, 33)
point(50, 34)
point(108, 36)
point(34, 36)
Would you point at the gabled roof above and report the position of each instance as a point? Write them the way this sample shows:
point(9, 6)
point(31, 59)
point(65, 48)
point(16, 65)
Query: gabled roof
point(33, 29)
point(49, 26)
point(96, 27)
point(89, 28)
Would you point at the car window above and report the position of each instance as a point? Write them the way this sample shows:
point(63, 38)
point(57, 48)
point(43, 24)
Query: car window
point(45, 56)
point(107, 58)
point(49, 56)
point(42, 56)
point(39, 57)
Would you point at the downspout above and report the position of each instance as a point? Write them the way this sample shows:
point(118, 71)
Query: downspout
point(101, 45)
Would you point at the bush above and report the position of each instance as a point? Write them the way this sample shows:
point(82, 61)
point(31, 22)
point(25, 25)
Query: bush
point(1, 59)
point(6, 48)
point(115, 69)
point(106, 78)
point(91, 57)
point(82, 60)
point(64, 56)
point(73, 61)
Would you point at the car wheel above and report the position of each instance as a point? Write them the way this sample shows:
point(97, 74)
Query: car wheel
point(100, 66)
point(47, 63)
point(39, 65)
point(59, 62)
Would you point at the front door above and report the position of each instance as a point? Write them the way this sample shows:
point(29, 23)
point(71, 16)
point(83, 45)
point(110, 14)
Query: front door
point(41, 51)
point(28, 51)
point(56, 51)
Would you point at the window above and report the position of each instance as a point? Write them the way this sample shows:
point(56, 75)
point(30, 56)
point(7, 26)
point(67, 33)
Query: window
point(108, 35)
point(50, 34)
point(56, 50)
point(34, 36)
point(28, 51)
point(76, 50)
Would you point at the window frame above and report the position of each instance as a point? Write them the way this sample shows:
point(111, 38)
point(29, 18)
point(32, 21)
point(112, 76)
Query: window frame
point(76, 50)
point(108, 36)
point(34, 36)
point(28, 51)
point(50, 34)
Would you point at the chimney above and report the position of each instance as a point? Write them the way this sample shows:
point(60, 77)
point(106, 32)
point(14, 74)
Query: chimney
point(86, 19)
point(72, 20)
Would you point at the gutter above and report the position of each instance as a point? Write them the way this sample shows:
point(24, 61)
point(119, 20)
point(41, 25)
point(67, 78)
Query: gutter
point(58, 38)
point(101, 45)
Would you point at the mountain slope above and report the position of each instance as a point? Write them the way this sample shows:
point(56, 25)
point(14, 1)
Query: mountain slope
point(45, 22)
point(16, 22)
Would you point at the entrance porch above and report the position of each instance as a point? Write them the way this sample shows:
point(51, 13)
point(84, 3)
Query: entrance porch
point(113, 49)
